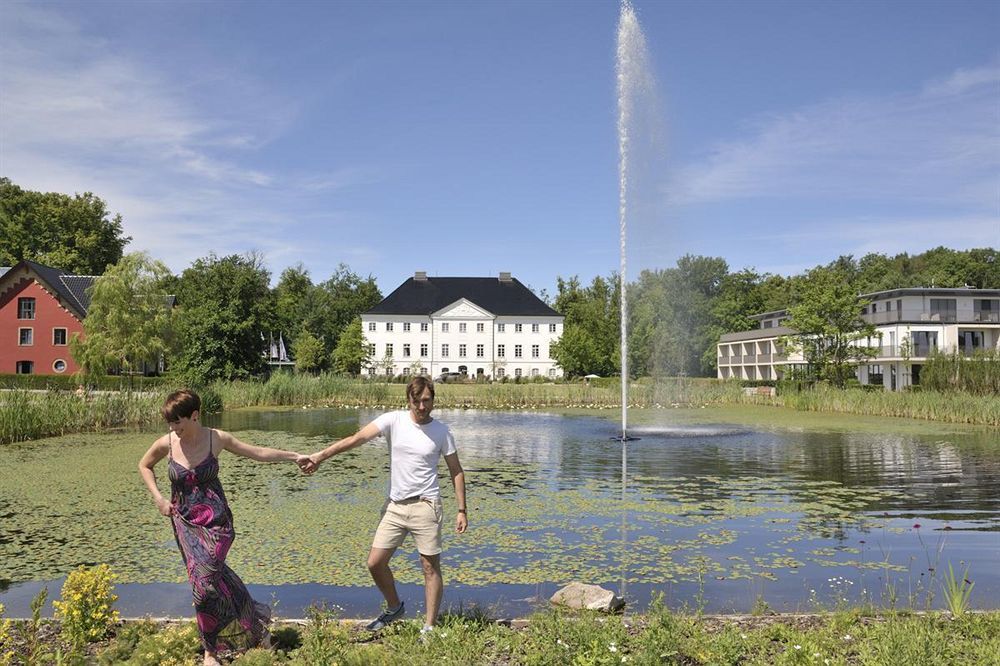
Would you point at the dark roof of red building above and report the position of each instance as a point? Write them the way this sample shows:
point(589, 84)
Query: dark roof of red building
point(427, 295)
point(72, 289)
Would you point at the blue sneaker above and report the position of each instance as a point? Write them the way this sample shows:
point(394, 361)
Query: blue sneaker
point(385, 618)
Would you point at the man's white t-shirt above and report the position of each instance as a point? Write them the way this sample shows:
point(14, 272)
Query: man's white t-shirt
point(414, 453)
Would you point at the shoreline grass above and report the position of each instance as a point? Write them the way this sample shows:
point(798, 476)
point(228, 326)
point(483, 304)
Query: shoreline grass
point(27, 415)
point(556, 636)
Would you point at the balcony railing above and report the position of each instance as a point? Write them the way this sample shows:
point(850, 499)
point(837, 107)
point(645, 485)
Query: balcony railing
point(893, 316)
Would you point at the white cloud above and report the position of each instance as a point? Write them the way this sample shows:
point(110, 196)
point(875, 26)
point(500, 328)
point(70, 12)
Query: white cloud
point(79, 114)
point(941, 144)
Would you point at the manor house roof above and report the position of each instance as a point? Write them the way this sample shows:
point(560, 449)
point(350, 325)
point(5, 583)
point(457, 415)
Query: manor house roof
point(422, 295)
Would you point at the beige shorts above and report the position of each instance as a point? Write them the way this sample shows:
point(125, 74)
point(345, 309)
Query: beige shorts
point(421, 517)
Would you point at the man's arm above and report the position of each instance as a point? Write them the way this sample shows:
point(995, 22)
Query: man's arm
point(368, 433)
point(458, 479)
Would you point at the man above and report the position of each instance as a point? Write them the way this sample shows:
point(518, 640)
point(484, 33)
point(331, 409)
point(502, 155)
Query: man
point(416, 443)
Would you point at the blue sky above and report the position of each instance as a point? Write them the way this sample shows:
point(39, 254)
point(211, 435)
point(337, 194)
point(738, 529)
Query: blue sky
point(468, 138)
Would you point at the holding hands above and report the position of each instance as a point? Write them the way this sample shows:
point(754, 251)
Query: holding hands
point(306, 464)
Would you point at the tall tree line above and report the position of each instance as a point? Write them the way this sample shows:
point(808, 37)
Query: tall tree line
point(213, 321)
point(677, 314)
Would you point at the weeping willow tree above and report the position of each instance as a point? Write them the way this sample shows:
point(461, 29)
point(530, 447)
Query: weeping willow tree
point(128, 324)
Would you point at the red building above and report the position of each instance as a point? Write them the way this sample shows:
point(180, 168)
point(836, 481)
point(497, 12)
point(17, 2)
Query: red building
point(41, 309)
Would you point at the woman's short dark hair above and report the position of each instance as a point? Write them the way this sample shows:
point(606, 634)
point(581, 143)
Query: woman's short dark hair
point(417, 385)
point(180, 405)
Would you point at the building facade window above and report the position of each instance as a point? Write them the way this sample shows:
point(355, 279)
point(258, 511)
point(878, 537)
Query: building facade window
point(24, 367)
point(461, 351)
point(480, 327)
point(518, 328)
point(371, 326)
point(26, 308)
point(461, 327)
point(406, 327)
point(388, 326)
point(388, 349)
point(406, 351)
point(423, 327)
point(480, 351)
point(406, 372)
point(552, 328)
point(25, 336)
point(501, 328)
point(423, 351)
point(444, 327)
point(944, 309)
point(535, 350)
point(500, 373)
point(534, 328)
point(534, 372)
point(59, 366)
point(59, 337)
point(517, 351)
point(371, 349)
point(501, 351)
point(517, 372)
point(444, 351)
point(371, 371)
point(552, 373)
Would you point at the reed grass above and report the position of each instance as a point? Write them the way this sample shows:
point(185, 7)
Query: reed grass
point(945, 406)
point(978, 374)
point(27, 415)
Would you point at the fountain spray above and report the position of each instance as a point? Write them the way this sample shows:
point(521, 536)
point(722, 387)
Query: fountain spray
point(631, 70)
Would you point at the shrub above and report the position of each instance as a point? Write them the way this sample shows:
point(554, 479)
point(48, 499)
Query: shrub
point(258, 657)
point(175, 646)
point(86, 609)
point(324, 640)
point(6, 641)
point(128, 637)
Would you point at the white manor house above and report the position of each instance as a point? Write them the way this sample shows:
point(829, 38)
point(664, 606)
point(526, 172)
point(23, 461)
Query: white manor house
point(480, 327)
point(910, 324)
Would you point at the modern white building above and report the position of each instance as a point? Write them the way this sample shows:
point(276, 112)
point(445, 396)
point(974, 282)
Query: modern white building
point(910, 324)
point(479, 327)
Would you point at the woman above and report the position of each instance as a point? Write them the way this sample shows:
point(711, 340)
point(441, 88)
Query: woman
point(228, 618)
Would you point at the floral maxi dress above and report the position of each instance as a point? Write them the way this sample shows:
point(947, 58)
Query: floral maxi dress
point(228, 618)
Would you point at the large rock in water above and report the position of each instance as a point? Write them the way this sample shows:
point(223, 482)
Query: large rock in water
point(591, 597)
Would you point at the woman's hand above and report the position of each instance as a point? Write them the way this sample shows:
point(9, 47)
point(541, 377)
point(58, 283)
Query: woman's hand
point(164, 506)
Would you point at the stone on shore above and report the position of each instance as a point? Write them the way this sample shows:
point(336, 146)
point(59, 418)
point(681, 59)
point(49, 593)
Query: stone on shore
point(590, 597)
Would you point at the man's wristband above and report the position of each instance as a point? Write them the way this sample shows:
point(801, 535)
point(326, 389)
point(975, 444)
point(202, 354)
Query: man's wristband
point(461, 511)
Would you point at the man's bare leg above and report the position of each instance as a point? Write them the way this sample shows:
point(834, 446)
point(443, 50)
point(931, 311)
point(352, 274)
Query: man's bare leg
point(433, 586)
point(378, 567)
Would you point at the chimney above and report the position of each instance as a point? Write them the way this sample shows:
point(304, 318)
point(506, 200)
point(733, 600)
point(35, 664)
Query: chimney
point(420, 276)
point(505, 276)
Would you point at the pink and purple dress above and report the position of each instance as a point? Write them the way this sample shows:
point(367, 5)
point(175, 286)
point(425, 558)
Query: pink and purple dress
point(228, 617)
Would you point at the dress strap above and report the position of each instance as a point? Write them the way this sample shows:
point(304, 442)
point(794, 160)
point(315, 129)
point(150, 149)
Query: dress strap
point(211, 442)
point(170, 447)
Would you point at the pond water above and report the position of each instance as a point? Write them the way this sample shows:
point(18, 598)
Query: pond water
point(723, 510)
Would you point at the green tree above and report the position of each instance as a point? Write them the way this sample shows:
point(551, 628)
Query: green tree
point(590, 342)
point(671, 317)
point(129, 321)
point(225, 305)
point(328, 308)
point(830, 332)
point(290, 298)
point(352, 353)
point(73, 233)
point(308, 352)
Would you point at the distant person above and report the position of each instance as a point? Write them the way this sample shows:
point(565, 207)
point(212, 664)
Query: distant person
point(228, 618)
point(413, 506)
